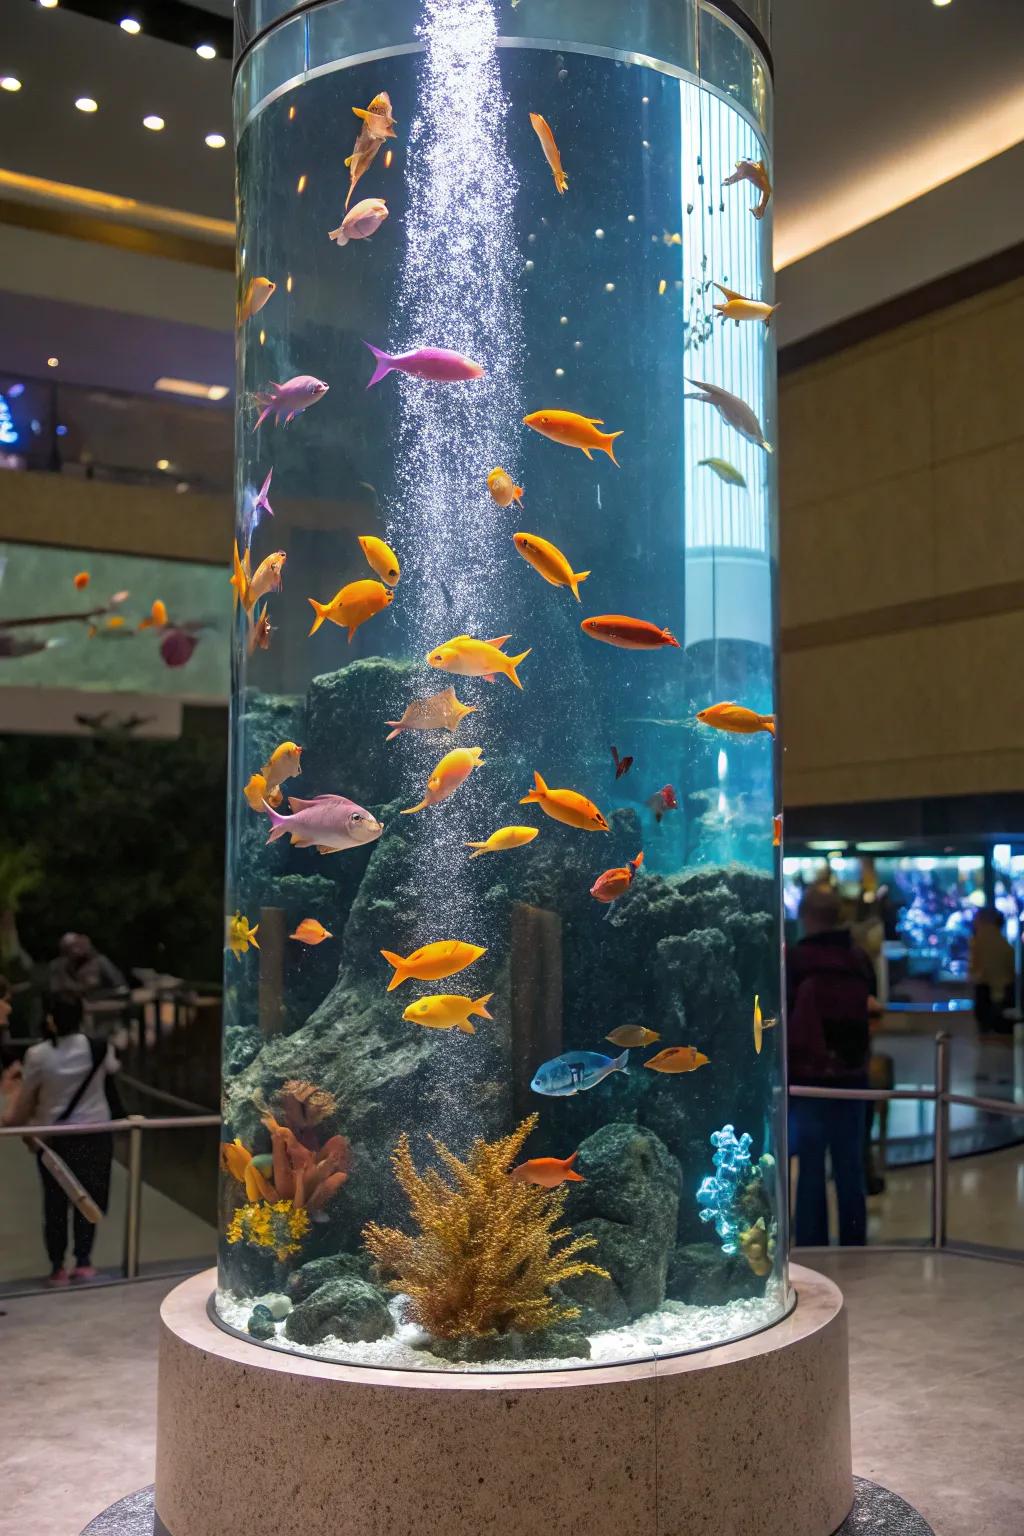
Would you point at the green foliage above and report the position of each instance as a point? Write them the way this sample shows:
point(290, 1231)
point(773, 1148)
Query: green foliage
point(21, 871)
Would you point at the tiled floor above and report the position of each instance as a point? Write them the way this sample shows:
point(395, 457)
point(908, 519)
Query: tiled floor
point(937, 1366)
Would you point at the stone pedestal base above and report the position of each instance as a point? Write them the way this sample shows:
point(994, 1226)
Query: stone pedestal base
point(751, 1438)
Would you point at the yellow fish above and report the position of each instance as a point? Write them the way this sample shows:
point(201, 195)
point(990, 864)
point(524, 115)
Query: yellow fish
point(504, 838)
point(565, 805)
point(446, 1010)
point(352, 606)
point(240, 935)
point(256, 791)
point(441, 712)
point(250, 588)
point(756, 172)
point(574, 431)
point(503, 488)
point(381, 559)
point(453, 769)
point(737, 308)
point(757, 1247)
point(310, 931)
point(550, 148)
point(549, 562)
point(677, 1058)
point(736, 719)
point(285, 762)
point(257, 291)
point(633, 1036)
point(431, 962)
point(467, 657)
point(760, 1025)
point(156, 618)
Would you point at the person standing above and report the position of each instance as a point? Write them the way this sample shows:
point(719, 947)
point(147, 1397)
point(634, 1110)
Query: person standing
point(829, 984)
point(64, 1080)
point(991, 967)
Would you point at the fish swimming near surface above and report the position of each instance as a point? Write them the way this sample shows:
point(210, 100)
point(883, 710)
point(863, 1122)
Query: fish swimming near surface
point(257, 291)
point(467, 657)
point(352, 606)
point(431, 363)
point(574, 431)
point(381, 559)
point(360, 222)
point(257, 790)
point(622, 764)
point(566, 806)
point(504, 839)
point(736, 719)
point(548, 1172)
point(80, 581)
point(576, 1071)
point(432, 962)
point(629, 634)
point(441, 712)
point(376, 125)
point(286, 401)
point(760, 1025)
point(260, 633)
point(724, 470)
point(616, 882)
point(662, 802)
point(240, 935)
point(733, 411)
point(777, 831)
point(549, 562)
point(446, 1010)
point(453, 769)
point(310, 931)
point(285, 762)
point(550, 148)
point(677, 1058)
point(503, 488)
point(738, 308)
point(328, 823)
point(633, 1035)
point(756, 173)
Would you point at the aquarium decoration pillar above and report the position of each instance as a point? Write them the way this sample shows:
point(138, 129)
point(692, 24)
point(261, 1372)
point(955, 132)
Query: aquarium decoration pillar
point(503, 1174)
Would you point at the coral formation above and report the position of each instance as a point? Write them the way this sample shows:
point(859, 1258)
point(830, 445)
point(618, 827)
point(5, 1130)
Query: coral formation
point(485, 1259)
point(304, 1106)
point(279, 1226)
point(735, 1197)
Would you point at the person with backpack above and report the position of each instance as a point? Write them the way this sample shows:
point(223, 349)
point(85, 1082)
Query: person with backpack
point(829, 985)
point(66, 1079)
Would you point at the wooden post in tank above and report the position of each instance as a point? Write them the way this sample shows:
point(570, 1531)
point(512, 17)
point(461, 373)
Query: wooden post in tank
point(272, 941)
point(535, 997)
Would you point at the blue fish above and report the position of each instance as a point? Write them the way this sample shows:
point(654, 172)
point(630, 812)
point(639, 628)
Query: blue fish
point(258, 501)
point(575, 1071)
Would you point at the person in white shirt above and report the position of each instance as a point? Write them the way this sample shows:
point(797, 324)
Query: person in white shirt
point(64, 1080)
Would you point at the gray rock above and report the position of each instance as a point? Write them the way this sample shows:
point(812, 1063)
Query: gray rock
point(277, 1305)
point(311, 1276)
point(701, 1275)
point(348, 1309)
point(261, 1323)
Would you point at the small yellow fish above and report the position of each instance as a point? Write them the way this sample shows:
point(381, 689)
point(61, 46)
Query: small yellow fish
point(453, 769)
point(736, 719)
point(671, 239)
point(549, 562)
point(432, 962)
point(310, 931)
point(756, 172)
point(256, 791)
point(724, 470)
point(574, 431)
point(677, 1058)
point(381, 559)
point(757, 1247)
point(117, 622)
point(240, 935)
point(447, 1010)
point(633, 1036)
point(737, 308)
point(503, 839)
point(285, 762)
point(156, 618)
point(467, 657)
point(441, 712)
point(550, 148)
point(503, 488)
point(566, 806)
point(352, 605)
point(760, 1025)
point(258, 290)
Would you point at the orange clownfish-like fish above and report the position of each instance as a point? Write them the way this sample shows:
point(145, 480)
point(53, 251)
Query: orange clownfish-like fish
point(548, 1172)
point(630, 634)
point(550, 148)
point(573, 431)
point(736, 719)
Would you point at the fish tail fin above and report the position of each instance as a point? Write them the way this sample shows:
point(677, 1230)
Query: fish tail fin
point(320, 609)
point(480, 847)
point(517, 493)
point(561, 181)
point(414, 808)
point(396, 732)
point(638, 860)
point(361, 112)
point(538, 791)
point(278, 823)
point(399, 965)
point(768, 721)
point(252, 937)
point(622, 1062)
point(385, 363)
point(513, 663)
point(721, 308)
point(480, 1006)
point(608, 440)
point(464, 1027)
point(572, 1177)
point(577, 577)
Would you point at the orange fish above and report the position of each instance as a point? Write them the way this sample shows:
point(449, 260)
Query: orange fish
point(81, 580)
point(310, 931)
point(574, 431)
point(776, 831)
point(503, 488)
point(736, 719)
point(550, 148)
point(352, 605)
point(432, 962)
point(260, 633)
point(633, 1036)
point(616, 882)
point(548, 1172)
point(377, 125)
point(566, 806)
point(453, 769)
point(630, 634)
point(677, 1058)
point(157, 618)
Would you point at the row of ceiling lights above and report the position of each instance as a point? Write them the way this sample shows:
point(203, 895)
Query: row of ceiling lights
point(88, 104)
point(133, 27)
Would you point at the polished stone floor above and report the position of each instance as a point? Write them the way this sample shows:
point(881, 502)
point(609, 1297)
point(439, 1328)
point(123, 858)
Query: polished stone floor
point(937, 1364)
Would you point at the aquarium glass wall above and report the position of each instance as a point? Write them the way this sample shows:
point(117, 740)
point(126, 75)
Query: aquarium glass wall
point(503, 1063)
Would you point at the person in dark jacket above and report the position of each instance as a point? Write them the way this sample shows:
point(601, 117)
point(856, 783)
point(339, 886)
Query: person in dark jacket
point(829, 983)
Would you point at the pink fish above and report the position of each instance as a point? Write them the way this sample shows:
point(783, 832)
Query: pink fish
point(432, 363)
point(361, 222)
point(664, 800)
point(329, 823)
point(290, 398)
point(177, 646)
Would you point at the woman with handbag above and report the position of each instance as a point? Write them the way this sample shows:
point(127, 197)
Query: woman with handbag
point(66, 1080)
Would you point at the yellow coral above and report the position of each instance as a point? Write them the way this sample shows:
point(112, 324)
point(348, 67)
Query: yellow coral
point(280, 1226)
point(484, 1259)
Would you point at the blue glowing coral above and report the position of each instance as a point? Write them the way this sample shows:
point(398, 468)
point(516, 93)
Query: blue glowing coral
point(724, 1196)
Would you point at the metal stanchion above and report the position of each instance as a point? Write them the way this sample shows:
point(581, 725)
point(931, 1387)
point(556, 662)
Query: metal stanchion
point(133, 1205)
point(940, 1156)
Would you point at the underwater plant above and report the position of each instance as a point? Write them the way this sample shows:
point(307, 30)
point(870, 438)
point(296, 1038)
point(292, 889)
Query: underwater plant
point(485, 1257)
point(735, 1197)
point(279, 1226)
point(306, 1177)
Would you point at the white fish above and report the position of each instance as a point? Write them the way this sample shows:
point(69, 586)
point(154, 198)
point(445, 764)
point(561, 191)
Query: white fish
point(361, 222)
point(734, 411)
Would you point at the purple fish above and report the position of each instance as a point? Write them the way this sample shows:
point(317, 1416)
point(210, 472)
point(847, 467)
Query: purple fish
point(329, 823)
point(177, 646)
point(260, 503)
point(432, 363)
point(290, 398)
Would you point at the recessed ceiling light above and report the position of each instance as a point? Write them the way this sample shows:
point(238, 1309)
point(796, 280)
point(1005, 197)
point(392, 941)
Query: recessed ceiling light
point(206, 51)
point(130, 25)
point(163, 463)
point(48, 5)
point(215, 141)
point(53, 362)
point(189, 387)
point(85, 104)
point(10, 83)
point(153, 122)
point(940, 3)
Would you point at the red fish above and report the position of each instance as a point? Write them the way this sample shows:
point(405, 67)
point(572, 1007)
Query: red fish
point(630, 634)
point(664, 800)
point(616, 882)
point(548, 1172)
point(776, 831)
point(622, 764)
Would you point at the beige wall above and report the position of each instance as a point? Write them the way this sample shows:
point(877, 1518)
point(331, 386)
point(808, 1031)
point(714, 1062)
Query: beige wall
point(902, 559)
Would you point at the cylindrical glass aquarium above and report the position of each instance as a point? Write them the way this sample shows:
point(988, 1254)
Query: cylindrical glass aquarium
point(501, 1082)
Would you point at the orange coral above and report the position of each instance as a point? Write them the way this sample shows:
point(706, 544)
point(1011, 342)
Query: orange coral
point(308, 1178)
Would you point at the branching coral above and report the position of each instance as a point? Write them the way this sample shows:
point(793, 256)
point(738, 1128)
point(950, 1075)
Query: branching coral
point(737, 1199)
point(306, 1177)
point(280, 1226)
point(485, 1258)
point(304, 1106)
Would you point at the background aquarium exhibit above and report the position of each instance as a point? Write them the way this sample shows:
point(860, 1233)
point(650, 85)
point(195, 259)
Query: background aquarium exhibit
point(560, 1135)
